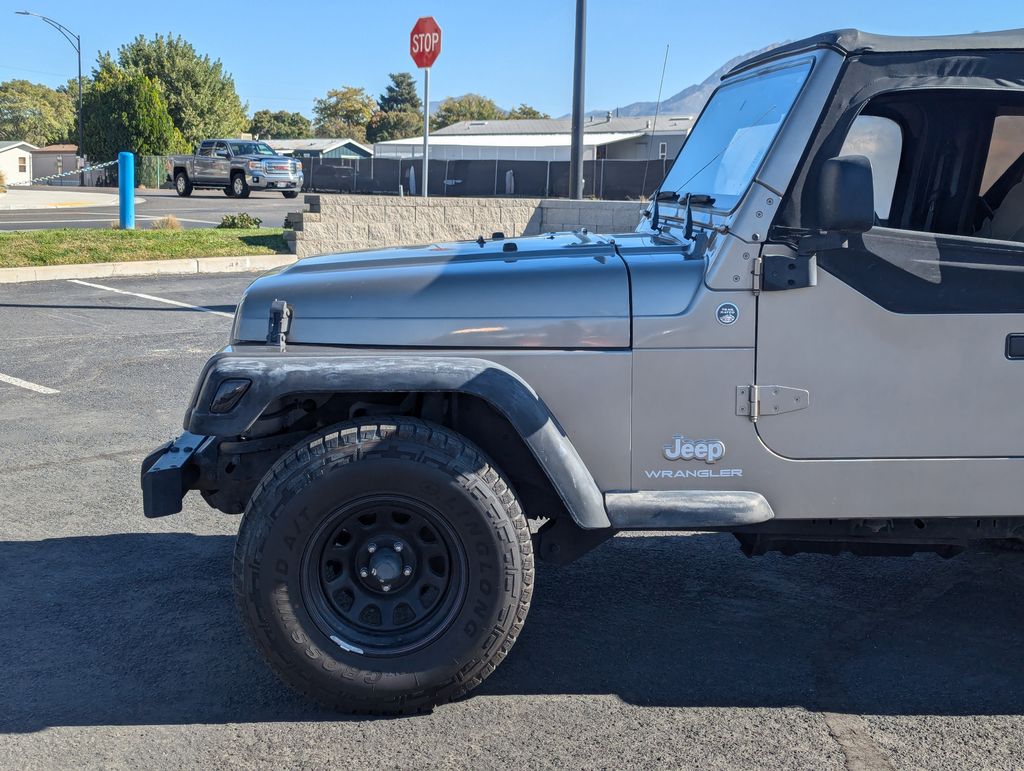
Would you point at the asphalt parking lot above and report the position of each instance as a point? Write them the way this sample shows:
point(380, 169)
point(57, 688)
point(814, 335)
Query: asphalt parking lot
point(203, 209)
point(121, 645)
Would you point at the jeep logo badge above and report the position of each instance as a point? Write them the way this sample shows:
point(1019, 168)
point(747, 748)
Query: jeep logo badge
point(707, 450)
point(727, 313)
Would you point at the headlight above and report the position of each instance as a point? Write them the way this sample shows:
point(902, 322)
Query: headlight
point(255, 165)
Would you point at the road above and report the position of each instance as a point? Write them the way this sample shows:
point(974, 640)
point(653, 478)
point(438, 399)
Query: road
point(121, 646)
point(203, 209)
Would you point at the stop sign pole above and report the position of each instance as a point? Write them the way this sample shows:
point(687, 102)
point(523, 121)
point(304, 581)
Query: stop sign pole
point(424, 47)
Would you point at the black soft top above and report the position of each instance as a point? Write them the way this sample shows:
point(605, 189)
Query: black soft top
point(853, 41)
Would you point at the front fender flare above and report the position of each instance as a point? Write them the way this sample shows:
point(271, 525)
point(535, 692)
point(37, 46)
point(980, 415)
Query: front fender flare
point(274, 375)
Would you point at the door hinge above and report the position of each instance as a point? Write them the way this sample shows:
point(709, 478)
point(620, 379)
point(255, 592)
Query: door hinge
point(755, 271)
point(756, 401)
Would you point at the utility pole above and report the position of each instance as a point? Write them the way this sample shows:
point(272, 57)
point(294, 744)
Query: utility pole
point(76, 43)
point(578, 76)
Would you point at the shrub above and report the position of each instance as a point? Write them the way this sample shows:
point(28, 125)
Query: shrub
point(241, 221)
point(170, 222)
point(3, 183)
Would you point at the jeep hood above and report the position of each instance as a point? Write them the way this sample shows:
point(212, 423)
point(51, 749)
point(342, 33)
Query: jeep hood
point(564, 290)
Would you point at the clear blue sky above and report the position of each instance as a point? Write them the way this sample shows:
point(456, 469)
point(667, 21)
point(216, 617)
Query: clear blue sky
point(518, 51)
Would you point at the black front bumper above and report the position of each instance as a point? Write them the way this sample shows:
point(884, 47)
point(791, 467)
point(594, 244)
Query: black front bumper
point(170, 471)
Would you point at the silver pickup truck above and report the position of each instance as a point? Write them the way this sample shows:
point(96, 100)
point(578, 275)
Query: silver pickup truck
point(236, 166)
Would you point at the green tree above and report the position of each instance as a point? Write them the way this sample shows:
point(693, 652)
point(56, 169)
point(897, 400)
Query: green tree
point(344, 113)
point(525, 112)
point(466, 107)
point(400, 95)
point(385, 126)
point(34, 113)
point(126, 110)
point(280, 125)
point(201, 96)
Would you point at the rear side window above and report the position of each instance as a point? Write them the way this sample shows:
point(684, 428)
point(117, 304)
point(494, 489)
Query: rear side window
point(880, 140)
point(206, 148)
point(1006, 147)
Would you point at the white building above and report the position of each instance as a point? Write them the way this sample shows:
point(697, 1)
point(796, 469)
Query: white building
point(16, 161)
point(547, 140)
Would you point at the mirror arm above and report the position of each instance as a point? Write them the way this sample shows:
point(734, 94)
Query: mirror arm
point(812, 243)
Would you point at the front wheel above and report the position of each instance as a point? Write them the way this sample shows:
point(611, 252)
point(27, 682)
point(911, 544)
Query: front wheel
point(290, 193)
point(383, 566)
point(239, 187)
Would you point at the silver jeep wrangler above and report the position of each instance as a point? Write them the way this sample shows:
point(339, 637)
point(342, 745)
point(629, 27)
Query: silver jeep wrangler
point(814, 340)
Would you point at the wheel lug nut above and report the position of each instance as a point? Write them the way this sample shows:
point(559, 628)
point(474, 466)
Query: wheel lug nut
point(407, 571)
point(386, 588)
point(398, 546)
point(363, 573)
point(373, 571)
point(371, 548)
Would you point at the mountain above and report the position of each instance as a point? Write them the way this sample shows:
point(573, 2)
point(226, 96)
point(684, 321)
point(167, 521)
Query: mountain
point(689, 101)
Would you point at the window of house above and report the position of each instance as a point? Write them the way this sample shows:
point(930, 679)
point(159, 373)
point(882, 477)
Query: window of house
point(880, 140)
point(663, 150)
point(22, 164)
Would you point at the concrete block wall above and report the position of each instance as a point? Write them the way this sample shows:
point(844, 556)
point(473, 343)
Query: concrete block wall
point(339, 223)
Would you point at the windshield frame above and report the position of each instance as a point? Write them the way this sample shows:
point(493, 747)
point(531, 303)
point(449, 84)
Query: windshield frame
point(767, 69)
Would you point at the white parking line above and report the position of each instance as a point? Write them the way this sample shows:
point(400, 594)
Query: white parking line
point(17, 381)
point(154, 299)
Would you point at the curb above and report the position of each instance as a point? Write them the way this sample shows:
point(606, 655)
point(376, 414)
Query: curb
point(146, 268)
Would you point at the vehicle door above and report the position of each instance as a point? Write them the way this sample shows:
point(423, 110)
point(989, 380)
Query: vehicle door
point(911, 343)
point(221, 166)
point(203, 162)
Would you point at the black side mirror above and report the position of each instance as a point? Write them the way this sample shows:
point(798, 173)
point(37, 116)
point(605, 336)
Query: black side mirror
point(846, 195)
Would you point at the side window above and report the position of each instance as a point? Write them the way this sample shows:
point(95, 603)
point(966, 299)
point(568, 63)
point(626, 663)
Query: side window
point(880, 140)
point(206, 149)
point(220, 148)
point(1005, 149)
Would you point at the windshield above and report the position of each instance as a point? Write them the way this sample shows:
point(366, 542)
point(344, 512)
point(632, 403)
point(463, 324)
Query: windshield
point(251, 148)
point(732, 137)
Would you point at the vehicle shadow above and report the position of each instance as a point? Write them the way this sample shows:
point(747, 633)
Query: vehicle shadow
point(141, 629)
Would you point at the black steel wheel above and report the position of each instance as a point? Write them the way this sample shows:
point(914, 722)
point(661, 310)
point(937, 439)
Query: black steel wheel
point(384, 574)
point(383, 566)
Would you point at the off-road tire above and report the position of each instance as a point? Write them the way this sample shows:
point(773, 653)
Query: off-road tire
point(182, 184)
point(316, 482)
point(239, 187)
point(290, 193)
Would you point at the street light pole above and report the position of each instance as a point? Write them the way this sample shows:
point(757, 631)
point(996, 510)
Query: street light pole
point(578, 76)
point(76, 43)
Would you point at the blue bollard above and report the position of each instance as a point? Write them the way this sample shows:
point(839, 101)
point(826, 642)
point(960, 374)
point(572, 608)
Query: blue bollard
point(126, 189)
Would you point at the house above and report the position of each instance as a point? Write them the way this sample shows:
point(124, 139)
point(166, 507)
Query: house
point(606, 138)
point(16, 161)
point(320, 148)
point(56, 159)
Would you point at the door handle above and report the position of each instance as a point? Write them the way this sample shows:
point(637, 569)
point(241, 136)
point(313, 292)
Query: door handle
point(1015, 346)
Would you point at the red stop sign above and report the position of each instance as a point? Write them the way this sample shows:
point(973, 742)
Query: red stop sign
point(425, 42)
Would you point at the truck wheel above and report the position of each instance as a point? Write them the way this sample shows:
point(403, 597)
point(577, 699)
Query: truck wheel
point(383, 566)
point(182, 186)
point(229, 192)
point(239, 187)
point(290, 193)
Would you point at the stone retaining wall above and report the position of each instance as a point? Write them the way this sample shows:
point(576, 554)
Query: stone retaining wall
point(338, 223)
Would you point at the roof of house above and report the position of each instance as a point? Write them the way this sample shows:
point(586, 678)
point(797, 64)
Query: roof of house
point(666, 124)
point(10, 145)
point(315, 145)
point(854, 41)
point(58, 148)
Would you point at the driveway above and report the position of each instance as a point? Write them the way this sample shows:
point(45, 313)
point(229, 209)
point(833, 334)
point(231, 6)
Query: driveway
point(203, 209)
